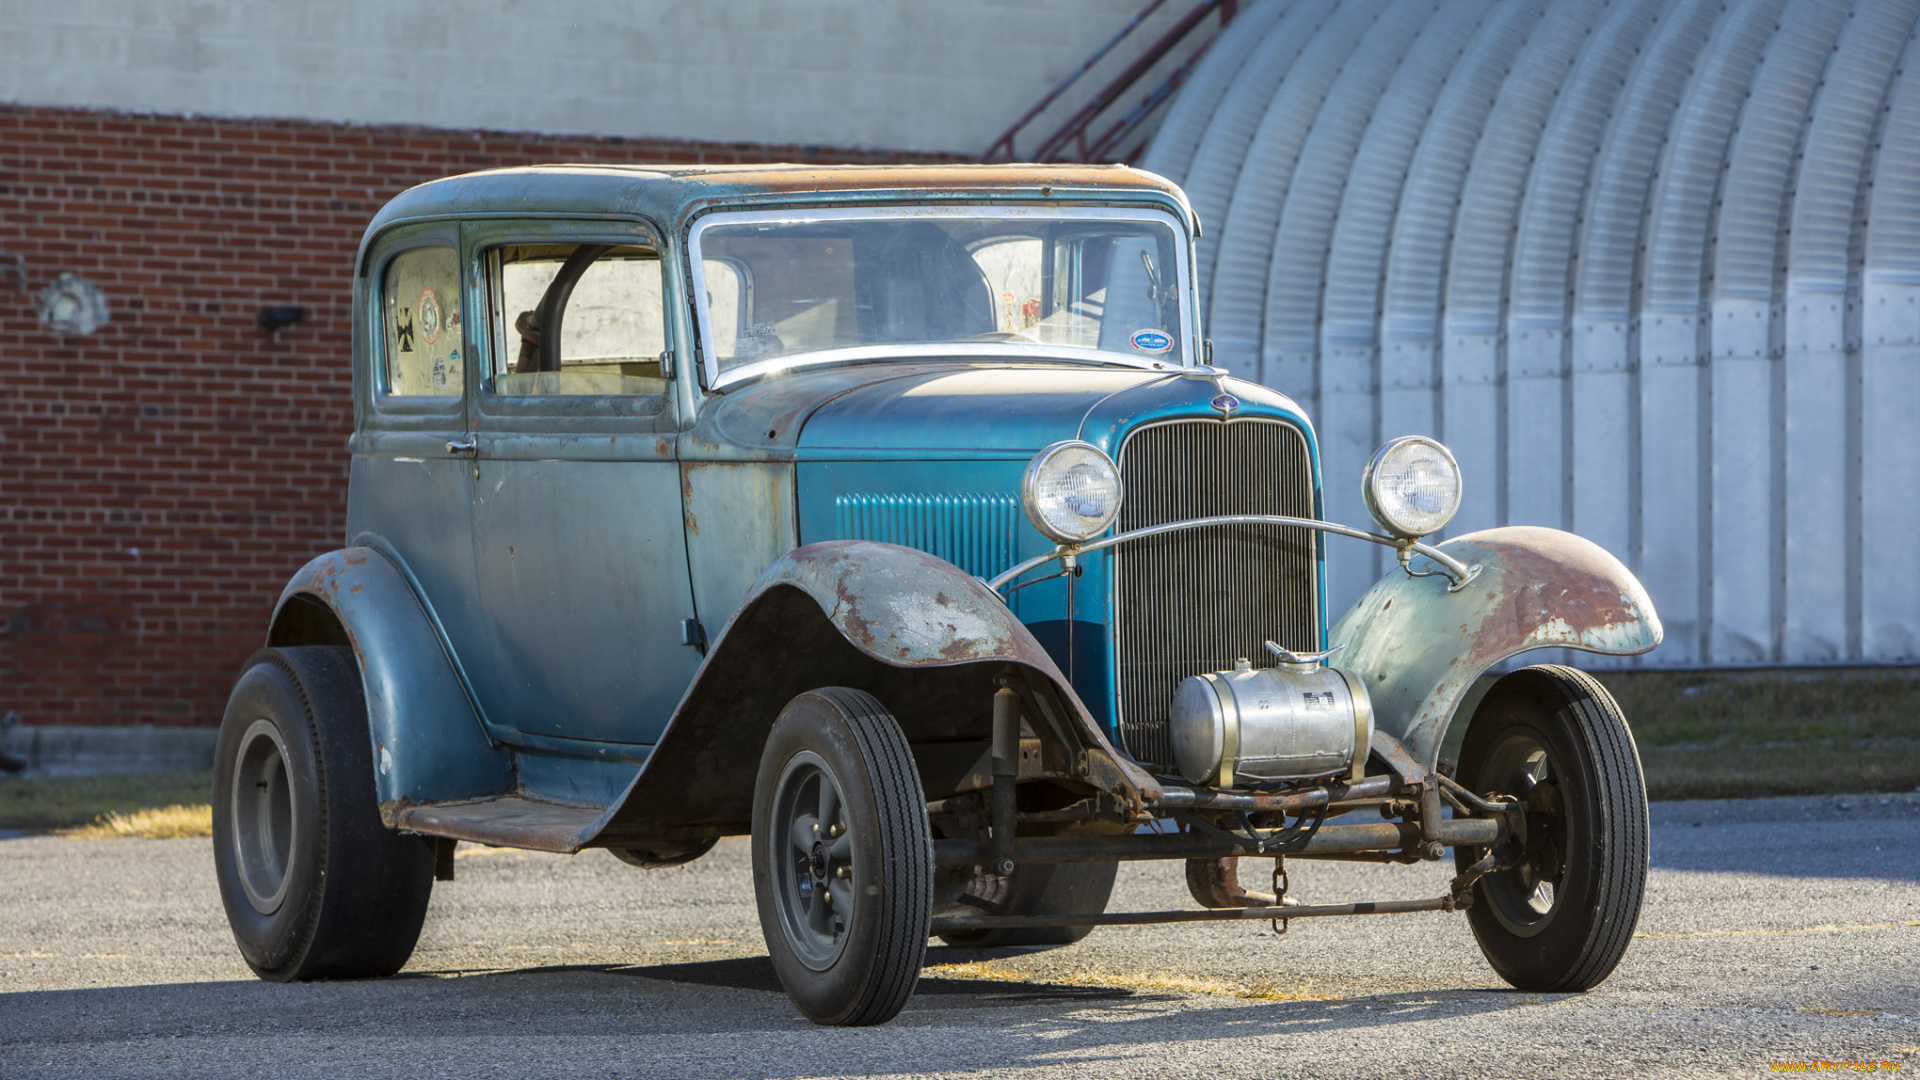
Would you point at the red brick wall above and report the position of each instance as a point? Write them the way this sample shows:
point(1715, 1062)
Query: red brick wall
point(161, 478)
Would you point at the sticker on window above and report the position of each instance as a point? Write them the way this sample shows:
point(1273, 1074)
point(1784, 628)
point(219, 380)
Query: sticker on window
point(1153, 341)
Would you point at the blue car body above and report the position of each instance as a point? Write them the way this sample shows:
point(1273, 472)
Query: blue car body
point(576, 618)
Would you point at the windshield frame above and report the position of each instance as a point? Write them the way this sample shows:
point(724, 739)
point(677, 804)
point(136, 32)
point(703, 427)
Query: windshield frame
point(715, 380)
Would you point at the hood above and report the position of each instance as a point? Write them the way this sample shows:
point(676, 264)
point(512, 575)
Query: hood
point(1014, 411)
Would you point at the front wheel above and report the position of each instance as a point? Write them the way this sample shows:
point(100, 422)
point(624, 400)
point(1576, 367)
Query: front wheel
point(1559, 916)
point(842, 858)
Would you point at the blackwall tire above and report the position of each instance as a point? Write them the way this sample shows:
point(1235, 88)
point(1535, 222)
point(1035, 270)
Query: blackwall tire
point(314, 885)
point(842, 858)
point(1559, 921)
point(1036, 889)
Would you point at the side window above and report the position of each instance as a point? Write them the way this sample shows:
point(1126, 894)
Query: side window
point(421, 304)
point(577, 319)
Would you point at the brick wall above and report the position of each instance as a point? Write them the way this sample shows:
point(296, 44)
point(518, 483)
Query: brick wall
point(161, 478)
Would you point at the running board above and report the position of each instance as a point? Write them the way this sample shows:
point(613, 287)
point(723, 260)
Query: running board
point(506, 821)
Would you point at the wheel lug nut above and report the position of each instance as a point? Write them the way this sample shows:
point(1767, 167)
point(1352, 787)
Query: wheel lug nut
point(843, 872)
point(836, 830)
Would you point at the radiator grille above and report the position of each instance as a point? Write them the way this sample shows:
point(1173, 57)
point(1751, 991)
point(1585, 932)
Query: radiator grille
point(1194, 601)
point(974, 531)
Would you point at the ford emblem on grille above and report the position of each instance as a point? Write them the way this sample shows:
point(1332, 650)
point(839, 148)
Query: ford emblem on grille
point(1225, 402)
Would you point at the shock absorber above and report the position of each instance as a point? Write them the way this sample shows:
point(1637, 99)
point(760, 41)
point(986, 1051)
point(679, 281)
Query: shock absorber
point(1006, 768)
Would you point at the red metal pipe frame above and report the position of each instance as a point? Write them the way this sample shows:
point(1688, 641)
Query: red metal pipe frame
point(1075, 128)
point(1006, 137)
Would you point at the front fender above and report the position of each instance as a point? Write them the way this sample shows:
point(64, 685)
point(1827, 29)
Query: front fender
point(428, 743)
point(1420, 647)
point(916, 631)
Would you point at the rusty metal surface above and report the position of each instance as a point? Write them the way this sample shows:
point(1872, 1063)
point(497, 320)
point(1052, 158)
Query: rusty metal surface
point(907, 607)
point(1215, 883)
point(1134, 847)
point(671, 194)
point(739, 519)
point(504, 822)
point(1178, 795)
point(949, 924)
point(912, 629)
point(1420, 647)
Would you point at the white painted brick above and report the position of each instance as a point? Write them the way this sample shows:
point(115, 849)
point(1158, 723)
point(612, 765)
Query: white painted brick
point(905, 74)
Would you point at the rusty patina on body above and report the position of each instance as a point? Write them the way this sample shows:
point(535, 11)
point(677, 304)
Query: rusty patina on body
point(1420, 645)
point(807, 524)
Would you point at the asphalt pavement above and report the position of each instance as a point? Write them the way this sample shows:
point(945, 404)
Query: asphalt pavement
point(1778, 930)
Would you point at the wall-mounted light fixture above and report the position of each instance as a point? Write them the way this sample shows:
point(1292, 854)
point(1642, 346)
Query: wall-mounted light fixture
point(71, 305)
point(273, 318)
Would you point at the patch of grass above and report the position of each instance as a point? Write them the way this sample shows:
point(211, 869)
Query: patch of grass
point(1745, 734)
point(1750, 734)
point(66, 802)
point(1761, 707)
point(164, 823)
point(1747, 772)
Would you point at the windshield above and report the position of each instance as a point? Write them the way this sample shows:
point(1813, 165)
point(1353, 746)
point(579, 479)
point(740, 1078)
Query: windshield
point(889, 283)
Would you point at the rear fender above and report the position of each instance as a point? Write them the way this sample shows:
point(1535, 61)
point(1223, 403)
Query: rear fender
point(914, 630)
point(1420, 647)
point(428, 742)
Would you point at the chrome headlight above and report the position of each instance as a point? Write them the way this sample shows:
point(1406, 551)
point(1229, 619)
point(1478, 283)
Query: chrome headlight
point(1412, 486)
point(1071, 491)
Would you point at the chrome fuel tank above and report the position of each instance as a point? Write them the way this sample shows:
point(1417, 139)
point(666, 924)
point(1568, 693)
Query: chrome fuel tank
point(1297, 721)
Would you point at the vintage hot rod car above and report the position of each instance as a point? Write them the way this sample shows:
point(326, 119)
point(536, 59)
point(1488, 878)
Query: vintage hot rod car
point(896, 518)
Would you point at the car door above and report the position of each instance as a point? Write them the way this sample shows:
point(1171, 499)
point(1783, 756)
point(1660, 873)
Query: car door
point(579, 555)
point(412, 481)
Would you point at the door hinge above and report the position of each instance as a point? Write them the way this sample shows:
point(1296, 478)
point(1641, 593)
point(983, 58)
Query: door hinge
point(692, 633)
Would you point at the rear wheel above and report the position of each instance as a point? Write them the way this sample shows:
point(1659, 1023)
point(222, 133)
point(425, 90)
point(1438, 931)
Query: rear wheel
point(1558, 918)
point(842, 858)
point(314, 884)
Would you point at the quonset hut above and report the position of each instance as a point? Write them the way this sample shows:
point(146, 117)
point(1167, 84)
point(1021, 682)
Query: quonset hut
point(1650, 267)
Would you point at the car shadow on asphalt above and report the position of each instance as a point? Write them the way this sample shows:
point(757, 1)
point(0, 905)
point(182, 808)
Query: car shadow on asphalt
point(756, 973)
point(1024, 1024)
point(937, 994)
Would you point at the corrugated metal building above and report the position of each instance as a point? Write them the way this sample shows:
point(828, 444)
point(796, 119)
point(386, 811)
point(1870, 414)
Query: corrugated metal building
point(1650, 267)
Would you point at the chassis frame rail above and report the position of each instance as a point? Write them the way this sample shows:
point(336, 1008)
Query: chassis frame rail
point(1330, 839)
point(956, 923)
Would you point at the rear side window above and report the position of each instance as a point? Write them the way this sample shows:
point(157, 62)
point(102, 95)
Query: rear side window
point(577, 319)
point(421, 303)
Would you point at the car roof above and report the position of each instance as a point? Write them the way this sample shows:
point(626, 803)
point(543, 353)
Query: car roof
point(669, 194)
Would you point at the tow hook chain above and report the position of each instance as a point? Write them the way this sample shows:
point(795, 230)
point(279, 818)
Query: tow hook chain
point(1279, 891)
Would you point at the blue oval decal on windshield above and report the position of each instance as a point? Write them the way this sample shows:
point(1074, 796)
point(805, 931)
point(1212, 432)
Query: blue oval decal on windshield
point(1155, 341)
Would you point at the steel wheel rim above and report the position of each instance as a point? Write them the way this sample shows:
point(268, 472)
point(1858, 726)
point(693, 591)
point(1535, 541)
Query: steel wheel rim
point(263, 816)
point(1525, 897)
point(810, 853)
